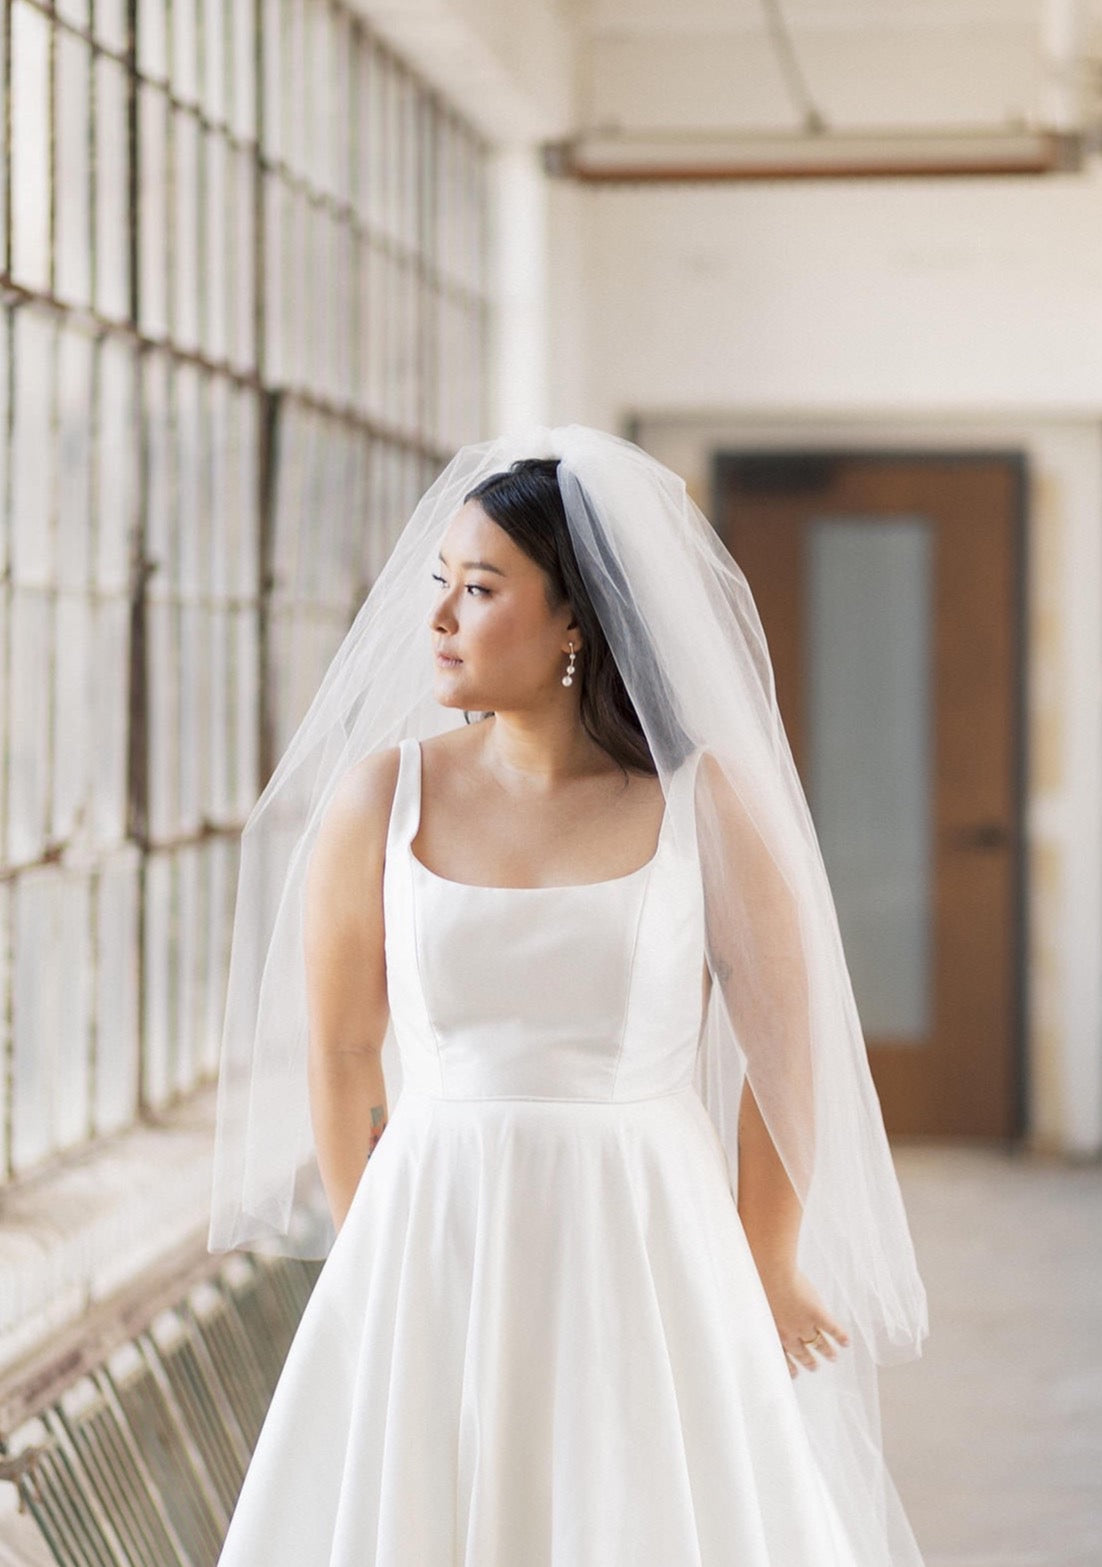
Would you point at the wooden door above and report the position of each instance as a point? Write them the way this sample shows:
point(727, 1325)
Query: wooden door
point(890, 590)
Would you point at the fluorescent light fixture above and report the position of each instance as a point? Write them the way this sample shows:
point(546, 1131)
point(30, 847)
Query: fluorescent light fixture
point(889, 154)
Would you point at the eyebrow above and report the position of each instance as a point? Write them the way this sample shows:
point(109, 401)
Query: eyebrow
point(475, 565)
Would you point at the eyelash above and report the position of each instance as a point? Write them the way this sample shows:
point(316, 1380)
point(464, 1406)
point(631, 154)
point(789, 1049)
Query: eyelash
point(477, 586)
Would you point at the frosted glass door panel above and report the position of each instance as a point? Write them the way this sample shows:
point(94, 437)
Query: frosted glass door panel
point(870, 762)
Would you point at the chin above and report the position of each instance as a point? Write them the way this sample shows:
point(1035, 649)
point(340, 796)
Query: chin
point(452, 698)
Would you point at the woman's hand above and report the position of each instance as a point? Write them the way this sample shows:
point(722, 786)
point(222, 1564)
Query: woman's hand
point(799, 1314)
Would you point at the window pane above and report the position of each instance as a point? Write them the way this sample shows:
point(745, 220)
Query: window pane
point(153, 38)
point(243, 348)
point(75, 11)
point(185, 74)
point(158, 1019)
point(273, 45)
point(30, 146)
point(110, 717)
point(276, 215)
point(73, 447)
point(293, 115)
point(244, 500)
point(153, 211)
point(112, 224)
point(162, 715)
point(74, 211)
point(868, 679)
point(341, 106)
point(190, 460)
point(3, 205)
point(219, 264)
point(185, 233)
point(117, 465)
point(317, 105)
point(110, 23)
point(28, 736)
point(73, 737)
point(36, 1018)
point(116, 1085)
point(244, 69)
point(32, 447)
point(214, 60)
point(188, 956)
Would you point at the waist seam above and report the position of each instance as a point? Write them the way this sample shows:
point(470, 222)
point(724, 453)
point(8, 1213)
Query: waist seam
point(554, 1099)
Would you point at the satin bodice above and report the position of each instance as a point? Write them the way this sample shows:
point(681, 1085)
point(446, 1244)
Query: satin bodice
point(588, 991)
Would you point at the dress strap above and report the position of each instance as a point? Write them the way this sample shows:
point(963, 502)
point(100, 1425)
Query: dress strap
point(681, 780)
point(405, 809)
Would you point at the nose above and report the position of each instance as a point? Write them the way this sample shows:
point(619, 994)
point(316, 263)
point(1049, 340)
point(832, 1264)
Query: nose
point(441, 618)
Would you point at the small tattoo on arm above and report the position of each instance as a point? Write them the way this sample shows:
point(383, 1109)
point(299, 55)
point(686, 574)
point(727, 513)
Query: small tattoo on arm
point(378, 1126)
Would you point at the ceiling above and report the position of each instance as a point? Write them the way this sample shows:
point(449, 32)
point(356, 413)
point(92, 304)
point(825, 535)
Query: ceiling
point(779, 89)
point(767, 88)
point(774, 66)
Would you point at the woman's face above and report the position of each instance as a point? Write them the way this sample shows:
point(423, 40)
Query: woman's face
point(490, 612)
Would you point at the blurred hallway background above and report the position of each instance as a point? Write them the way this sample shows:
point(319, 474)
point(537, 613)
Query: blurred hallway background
point(265, 265)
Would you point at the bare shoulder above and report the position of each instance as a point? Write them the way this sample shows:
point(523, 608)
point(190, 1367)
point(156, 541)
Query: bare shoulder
point(710, 772)
point(714, 783)
point(728, 808)
point(453, 745)
point(451, 757)
point(352, 834)
point(716, 778)
point(366, 789)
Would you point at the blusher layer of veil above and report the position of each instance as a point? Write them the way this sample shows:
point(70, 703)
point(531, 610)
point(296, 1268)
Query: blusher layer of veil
point(685, 634)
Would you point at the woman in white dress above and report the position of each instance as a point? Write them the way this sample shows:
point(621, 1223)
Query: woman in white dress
point(566, 1301)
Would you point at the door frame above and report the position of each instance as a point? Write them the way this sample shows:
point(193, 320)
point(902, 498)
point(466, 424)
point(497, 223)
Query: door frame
point(724, 455)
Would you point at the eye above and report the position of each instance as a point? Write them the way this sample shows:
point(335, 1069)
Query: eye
point(472, 587)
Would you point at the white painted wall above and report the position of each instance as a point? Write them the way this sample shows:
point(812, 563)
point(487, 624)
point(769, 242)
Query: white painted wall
point(879, 295)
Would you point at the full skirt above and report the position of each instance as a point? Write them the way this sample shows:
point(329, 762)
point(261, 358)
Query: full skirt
point(539, 1340)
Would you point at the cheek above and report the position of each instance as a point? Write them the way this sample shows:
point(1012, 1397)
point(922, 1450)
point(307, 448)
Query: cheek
point(500, 628)
point(505, 631)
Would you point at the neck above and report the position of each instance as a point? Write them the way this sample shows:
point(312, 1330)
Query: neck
point(537, 750)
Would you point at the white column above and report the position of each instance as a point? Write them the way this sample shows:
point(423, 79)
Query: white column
point(1061, 41)
point(518, 275)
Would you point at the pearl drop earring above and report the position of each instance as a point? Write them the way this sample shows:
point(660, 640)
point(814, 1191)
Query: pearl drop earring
point(568, 678)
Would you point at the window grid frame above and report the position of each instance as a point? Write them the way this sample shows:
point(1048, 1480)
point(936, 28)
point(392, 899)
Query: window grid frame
point(383, 461)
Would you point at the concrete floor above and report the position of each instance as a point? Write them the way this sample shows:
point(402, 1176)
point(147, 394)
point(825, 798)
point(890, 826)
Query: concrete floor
point(994, 1437)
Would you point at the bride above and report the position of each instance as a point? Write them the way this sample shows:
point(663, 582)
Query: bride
point(537, 969)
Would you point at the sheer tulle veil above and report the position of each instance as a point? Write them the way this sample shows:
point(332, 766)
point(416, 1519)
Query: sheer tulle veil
point(686, 637)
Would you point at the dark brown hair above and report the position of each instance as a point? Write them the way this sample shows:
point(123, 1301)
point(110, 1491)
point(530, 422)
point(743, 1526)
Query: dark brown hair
point(526, 502)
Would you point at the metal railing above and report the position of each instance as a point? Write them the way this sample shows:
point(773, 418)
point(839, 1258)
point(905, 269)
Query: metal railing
point(128, 1439)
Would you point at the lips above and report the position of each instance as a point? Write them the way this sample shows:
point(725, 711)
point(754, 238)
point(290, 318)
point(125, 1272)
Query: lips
point(447, 659)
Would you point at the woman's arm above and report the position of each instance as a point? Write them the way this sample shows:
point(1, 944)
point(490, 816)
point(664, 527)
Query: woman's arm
point(346, 976)
point(768, 1205)
point(754, 939)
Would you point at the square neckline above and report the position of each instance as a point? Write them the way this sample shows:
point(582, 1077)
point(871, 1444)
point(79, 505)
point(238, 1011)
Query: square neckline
point(570, 886)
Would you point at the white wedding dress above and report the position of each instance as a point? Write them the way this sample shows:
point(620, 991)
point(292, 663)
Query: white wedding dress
point(539, 1339)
